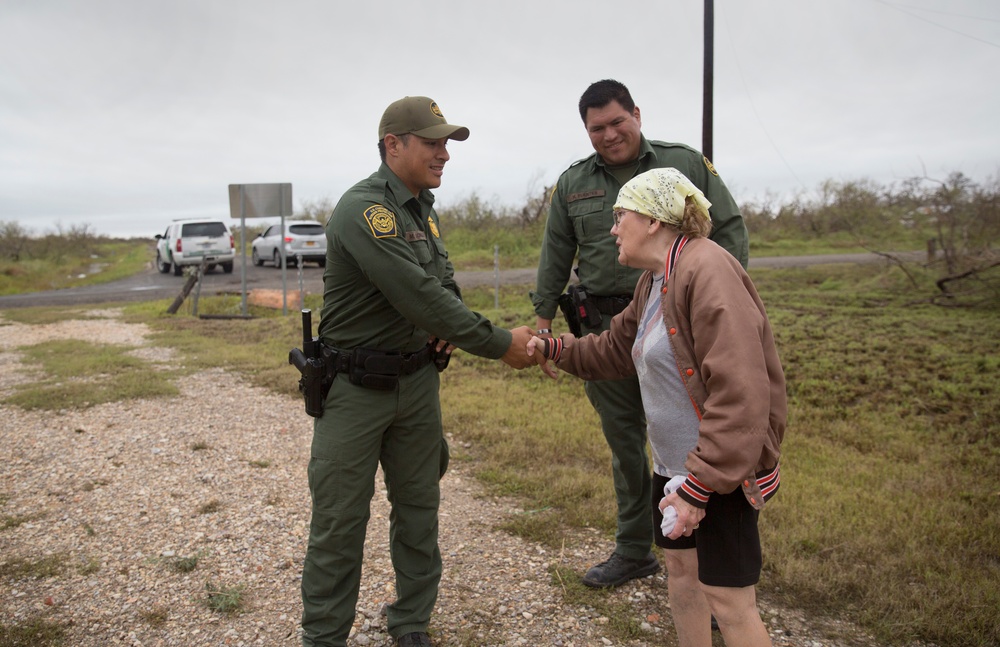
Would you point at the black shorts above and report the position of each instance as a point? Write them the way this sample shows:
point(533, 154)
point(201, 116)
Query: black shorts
point(727, 540)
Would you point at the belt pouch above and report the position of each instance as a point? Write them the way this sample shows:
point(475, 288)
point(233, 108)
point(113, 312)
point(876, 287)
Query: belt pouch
point(375, 369)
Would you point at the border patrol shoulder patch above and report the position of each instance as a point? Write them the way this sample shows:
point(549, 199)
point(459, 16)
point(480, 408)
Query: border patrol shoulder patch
point(709, 166)
point(381, 221)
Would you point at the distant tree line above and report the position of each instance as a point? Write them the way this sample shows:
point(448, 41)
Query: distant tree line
point(958, 220)
point(17, 244)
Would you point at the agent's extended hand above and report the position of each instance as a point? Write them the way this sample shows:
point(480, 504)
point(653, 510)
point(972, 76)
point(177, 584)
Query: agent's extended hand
point(517, 355)
point(536, 349)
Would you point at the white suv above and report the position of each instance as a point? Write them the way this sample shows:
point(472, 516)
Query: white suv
point(187, 242)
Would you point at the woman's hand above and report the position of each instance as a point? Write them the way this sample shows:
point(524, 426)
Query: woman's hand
point(688, 516)
point(536, 349)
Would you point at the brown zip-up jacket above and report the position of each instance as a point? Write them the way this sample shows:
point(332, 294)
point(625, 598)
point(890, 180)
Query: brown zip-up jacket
point(726, 356)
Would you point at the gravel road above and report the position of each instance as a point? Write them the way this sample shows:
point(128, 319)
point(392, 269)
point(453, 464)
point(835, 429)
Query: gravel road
point(120, 519)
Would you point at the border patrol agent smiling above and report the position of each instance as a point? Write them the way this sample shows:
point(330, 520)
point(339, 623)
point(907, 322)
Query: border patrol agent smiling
point(580, 217)
point(389, 300)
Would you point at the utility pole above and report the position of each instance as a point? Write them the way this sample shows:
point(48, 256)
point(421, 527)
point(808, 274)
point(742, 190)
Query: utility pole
point(706, 115)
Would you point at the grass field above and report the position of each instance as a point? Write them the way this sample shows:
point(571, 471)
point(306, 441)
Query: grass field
point(889, 513)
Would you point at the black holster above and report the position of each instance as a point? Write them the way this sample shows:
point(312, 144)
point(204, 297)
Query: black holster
point(314, 385)
point(579, 309)
point(316, 372)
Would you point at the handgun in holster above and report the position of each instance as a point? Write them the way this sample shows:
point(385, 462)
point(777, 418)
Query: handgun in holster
point(579, 309)
point(316, 379)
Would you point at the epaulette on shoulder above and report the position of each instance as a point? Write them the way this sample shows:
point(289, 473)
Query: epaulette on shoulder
point(590, 158)
point(373, 188)
point(662, 144)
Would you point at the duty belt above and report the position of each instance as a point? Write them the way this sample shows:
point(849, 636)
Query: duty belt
point(611, 305)
point(376, 369)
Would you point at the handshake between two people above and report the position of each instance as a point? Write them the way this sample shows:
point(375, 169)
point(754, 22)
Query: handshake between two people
point(527, 349)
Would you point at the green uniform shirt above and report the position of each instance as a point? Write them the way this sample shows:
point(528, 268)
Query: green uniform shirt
point(580, 222)
point(388, 283)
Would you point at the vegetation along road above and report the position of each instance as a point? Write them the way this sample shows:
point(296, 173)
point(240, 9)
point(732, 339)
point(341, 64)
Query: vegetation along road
point(150, 285)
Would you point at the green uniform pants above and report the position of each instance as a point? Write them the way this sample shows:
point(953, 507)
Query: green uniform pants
point(623, 421)
point(361, 428)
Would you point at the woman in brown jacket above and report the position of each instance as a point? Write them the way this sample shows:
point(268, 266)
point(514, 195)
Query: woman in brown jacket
point(697, 335)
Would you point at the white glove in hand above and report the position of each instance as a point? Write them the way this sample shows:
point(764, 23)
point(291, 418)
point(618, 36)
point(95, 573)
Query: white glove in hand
point(669, 514)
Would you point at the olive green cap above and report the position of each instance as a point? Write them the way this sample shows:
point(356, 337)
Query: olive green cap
point(419, 116)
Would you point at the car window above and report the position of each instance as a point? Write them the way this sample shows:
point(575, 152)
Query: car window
point(273, 230)
point(204, 229)
point(307, 230)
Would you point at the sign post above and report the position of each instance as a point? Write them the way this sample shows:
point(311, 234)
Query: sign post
point(261, 201)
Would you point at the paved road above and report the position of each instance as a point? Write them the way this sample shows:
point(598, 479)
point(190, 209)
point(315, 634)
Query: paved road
point(150, 284)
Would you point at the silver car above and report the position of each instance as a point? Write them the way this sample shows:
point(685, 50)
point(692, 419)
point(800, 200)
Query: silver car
point(303, 239)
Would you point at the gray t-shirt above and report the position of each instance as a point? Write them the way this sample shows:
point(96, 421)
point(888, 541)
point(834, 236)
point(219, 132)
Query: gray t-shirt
point(672, 422)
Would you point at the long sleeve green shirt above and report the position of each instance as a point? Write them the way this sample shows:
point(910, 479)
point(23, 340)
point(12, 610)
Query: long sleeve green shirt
point(388, 283)
point(579, 223)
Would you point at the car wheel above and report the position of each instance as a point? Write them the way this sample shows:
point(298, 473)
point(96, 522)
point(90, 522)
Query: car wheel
point(277, 258)
point(160, 265)
point(210, 267)
point(321, 262)
point(178, 270)
point(257, 260)
point(227, 268)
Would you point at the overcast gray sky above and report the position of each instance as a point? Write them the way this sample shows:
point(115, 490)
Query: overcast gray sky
point(125, 114)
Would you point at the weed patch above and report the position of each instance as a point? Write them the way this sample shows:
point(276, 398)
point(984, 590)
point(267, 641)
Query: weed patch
point(155, 617)
point(208, 508)
point(36, 632)
point(224, 599)
point(91, 566)
point(48, 566)
point(13, 521)
point(77, 374)
point(183, 564)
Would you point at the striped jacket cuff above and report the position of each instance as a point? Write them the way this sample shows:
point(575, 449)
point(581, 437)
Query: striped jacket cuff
point(553, 348)
point(694, 492)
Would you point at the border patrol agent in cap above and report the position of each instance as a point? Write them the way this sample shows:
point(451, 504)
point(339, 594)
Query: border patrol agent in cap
point(389, 298)
point(580, 217)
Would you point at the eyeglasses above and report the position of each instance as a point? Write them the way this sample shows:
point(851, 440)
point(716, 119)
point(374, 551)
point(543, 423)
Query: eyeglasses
point(617, 216)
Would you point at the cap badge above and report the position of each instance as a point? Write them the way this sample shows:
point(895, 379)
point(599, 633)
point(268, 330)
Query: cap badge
point(436, 110)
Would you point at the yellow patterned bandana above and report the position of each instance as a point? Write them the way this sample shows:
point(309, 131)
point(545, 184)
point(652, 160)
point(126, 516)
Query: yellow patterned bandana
point(660, 194)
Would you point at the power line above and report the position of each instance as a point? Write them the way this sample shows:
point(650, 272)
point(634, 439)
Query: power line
point(900, 9)
point(753, 106)
point(943, 13)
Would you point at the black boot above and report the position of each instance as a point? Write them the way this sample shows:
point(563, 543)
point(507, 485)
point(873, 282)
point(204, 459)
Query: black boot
point(619, 569)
